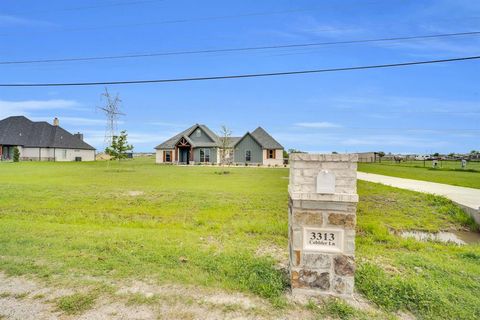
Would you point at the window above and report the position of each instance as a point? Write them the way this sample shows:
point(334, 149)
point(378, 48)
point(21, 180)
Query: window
point(198, 133)
point(204, 155)
point(248, 155)
point(167, 156)
point(271, 154)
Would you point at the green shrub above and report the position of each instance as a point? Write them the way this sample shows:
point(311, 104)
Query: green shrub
point(16, 154)
point(470, 256)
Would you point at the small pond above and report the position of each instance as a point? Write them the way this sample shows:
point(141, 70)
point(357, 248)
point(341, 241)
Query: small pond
point(457, 237)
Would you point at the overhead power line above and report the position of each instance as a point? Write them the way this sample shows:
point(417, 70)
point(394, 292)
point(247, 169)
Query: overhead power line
point(241, 49)
point(240, 76)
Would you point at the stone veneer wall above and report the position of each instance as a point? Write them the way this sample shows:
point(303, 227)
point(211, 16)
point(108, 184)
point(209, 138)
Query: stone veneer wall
point(326, 272)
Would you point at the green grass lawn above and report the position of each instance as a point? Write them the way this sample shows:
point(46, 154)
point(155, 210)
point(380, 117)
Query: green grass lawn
point(448, 174)
point(204, 226)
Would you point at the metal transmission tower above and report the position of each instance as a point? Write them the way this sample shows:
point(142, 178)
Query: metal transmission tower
point(112, 112)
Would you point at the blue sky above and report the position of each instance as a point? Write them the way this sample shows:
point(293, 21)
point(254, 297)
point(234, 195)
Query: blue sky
point(420, 109)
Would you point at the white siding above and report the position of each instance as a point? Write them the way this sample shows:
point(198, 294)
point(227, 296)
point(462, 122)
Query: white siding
point(56, 154)
point(159, 156)
point(71, 154)
point(278, 158)
point(28, 152)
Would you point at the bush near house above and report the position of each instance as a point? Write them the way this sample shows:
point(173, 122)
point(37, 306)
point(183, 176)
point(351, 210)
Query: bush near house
point(16, 154)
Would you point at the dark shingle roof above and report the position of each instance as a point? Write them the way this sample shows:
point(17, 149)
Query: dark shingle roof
point(261, 136)
point(233, 141)
point(170, 143)
point(20, 131)
point(265, 140)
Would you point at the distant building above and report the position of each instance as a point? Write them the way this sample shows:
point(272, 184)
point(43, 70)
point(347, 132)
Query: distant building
point(41, 141)
point(199, 144)
point(368, 157)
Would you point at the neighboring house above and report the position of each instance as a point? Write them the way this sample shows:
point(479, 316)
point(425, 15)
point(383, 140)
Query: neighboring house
point(199, 144)
point(41, 141)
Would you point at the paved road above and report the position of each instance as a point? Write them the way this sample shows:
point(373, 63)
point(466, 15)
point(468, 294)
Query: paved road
point(468, 198)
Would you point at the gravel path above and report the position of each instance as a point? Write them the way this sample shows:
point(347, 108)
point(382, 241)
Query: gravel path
point(467, 198)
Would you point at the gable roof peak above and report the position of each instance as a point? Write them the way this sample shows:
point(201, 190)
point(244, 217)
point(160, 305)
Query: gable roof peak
point(17, 118)
point(265, 139)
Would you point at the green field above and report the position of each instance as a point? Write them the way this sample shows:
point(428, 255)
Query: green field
point(94, 224)
point(449, 173)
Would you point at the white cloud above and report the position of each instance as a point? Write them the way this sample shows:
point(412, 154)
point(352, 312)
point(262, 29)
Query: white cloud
point(167, 124)
point(140, 140)
point(145, 137)
point(436, 47)
point(25, 107)
point(405, 104)
point(312, 27)
point(307, 27)
point(318, 125)
point(79, 121)
point(355, 142)
point(39, 104)
point(390, 141)
point(11, 20)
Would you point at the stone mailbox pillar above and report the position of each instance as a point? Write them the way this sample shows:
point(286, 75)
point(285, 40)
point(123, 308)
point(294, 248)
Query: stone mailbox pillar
point(321, 221)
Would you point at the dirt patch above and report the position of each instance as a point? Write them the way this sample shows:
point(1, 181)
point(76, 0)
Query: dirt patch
point(22, 298)
point(25, 299)
point(24, 309)
point(193, 296)
point(279, 254)
point(135, 193)
point(117, 311)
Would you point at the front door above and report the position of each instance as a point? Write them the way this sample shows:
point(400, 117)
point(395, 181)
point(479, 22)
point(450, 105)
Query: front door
point(183, 150)
point(184, 155)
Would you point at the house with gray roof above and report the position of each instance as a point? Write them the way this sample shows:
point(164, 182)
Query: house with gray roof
point(199, 144)
point(41, 141)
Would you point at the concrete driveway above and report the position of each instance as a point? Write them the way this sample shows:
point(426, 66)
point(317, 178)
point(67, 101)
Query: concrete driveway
point(467, 198)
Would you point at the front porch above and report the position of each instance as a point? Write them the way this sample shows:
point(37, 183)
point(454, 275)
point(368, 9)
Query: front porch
point(6, 152)
point(183, 151)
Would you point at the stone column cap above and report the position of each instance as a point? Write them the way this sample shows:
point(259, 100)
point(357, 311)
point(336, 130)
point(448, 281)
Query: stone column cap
point(345, 157)
point(335, 197)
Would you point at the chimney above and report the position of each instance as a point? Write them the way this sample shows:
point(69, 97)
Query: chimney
point(56, 122)
point(79, 135)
